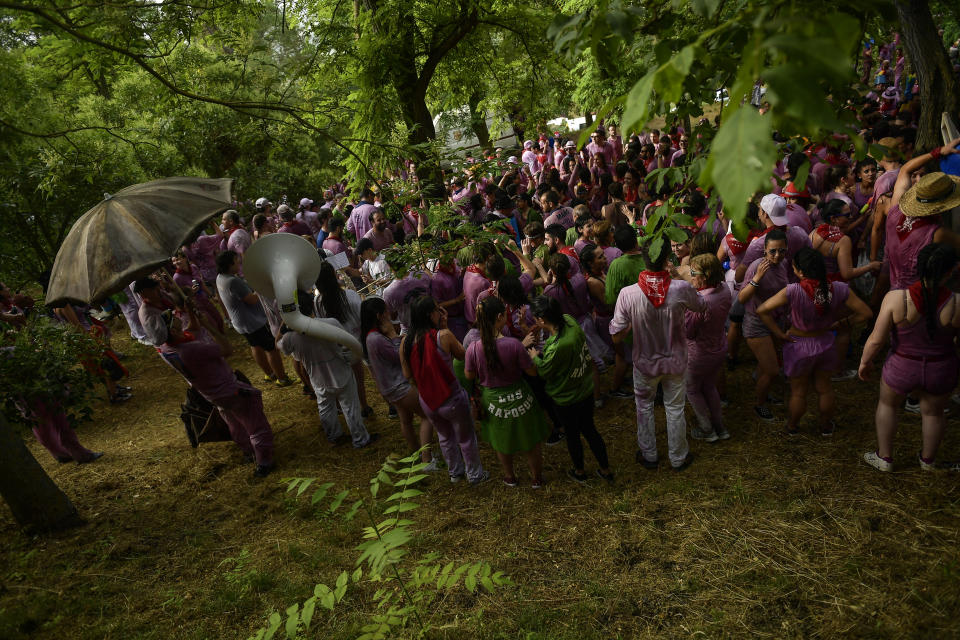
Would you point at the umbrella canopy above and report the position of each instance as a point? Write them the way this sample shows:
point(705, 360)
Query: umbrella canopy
point(131, 233)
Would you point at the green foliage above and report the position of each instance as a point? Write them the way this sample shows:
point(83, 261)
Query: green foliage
point(41, 362)
point(405, 587)
point(805, 53)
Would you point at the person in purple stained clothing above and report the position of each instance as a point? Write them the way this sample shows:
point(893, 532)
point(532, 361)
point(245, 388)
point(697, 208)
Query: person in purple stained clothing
point(401, 292)
point(796, 209)
point(598, 145)
point(707, 347)
point(572, 292)
point(475, 282)
point(335, 244)
point(584, 227)
point(914, 217)
point(290, 223)
point(381, 346)
point(922, 322)
point(818, 307)
point(203, 363)
point(309, 215)
point(772, 215)
point(361, 218)
point(554, 213)
point(235, 237)
point(512, 420)
point(380, 233)
point(202, 253)
point(426, 356)
point(764, 278)
point(446, 287)
point(865, 172)
point(653, 312)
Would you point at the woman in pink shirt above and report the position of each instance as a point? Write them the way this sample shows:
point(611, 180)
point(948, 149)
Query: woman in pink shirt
point(818, 308)
point(707, 347)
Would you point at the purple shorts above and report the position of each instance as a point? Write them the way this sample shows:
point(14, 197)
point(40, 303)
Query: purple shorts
point(933, 376)
point(809, 354)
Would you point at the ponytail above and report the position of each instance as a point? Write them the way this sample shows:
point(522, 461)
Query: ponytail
point(934, 262)
point(488, 311)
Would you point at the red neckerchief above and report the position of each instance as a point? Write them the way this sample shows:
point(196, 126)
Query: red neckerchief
point(736, 247)
point(908, 225)
point(830, 233)
point(475, 269)
point(287, 225)
point(916, 295)
point(567, 251)
point(654, 285)
point(630, 195)
point(760, 234)
point(701, 221)
point(812, 288)
point(229, 232)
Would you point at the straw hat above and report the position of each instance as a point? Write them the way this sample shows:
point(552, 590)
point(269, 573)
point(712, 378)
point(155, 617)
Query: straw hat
point(934, 193)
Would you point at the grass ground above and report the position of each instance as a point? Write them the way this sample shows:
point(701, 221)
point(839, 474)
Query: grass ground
point(762, 536)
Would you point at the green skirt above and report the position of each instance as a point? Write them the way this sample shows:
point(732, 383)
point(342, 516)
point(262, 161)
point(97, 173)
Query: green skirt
point(512, 420)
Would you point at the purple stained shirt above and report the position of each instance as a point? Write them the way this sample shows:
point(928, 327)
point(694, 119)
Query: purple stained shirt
point(238, 241)
point(447, 286)
point(202, 253)
point(771, 283)
point(803, 312)
point(336, 245)
point(798, 217)
point(383, 354)
point(606, 149)
point(207, 370)
point(400, 293)
point(514, 359)
point(361, 219)
point(659, 340)
point(612, 253)
point(473, 285)
point(903, 253)
point(311, 219)
point(296, 227)
point(380, 240)
point(706, 330)
point(796, 240)
point(562, 216)
point(577, 303)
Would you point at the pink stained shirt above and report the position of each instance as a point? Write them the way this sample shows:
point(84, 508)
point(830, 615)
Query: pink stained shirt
point(380, 240)
point(473, 285)
point(659, 340)
point(202, 253)
point(706, 330)
point(606, 149)
point(447, 286)
point(513, 360)
point(798, 217)
point(902, 252)
point(296, 227)
point(238, 241)
point(796, 240)
point(361, 219)
point(336, 245)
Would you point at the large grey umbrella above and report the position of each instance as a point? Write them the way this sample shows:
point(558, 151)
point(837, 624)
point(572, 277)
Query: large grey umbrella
point(132, 232)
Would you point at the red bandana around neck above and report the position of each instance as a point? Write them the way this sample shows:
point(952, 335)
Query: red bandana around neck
point(916, 295)
point(567, 251)
point(830, 233)
point(812, 288)
point(908, 225)
point(476, 269)
point(654, 285)
point(736, 247)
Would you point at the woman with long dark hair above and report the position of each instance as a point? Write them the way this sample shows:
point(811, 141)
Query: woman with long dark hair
point(922, 322)
point(512, 421)
point(381, 347)
point(426, 356)
point(809, 354)
point(564, 364)
point(333, 301)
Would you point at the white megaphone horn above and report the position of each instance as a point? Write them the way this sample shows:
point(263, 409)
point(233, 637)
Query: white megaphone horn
point(276, 266)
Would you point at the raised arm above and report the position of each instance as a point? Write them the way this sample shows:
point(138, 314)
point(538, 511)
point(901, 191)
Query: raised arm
point(903, 178)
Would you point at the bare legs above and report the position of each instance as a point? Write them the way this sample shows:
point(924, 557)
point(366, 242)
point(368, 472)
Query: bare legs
point(799, 386)
point(534, 463)
point(407, 407)
point(767, 365)
point(931, 415)
point(358, 374)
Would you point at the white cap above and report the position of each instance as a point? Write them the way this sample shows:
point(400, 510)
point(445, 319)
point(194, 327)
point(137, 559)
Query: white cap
point(512, 160)
point(262, 202)
point(775, 207)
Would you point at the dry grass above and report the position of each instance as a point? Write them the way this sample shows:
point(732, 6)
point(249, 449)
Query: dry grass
point(762, 536)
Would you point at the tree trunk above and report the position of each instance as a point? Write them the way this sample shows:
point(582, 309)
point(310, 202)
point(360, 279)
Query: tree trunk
point(36, 502)
point(478, 122)
point(938, 86)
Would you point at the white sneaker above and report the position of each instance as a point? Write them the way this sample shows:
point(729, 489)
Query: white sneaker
point(926, 466)
point(955, 398)
point(431, 467)
point(697, 434)
point(456, 479)
point(722, 434)
point(848, 374)
point(873, 459)
point(483, 478)
point(911, 407)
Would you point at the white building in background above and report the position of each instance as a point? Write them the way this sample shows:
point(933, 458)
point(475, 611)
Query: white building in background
point(453, 127)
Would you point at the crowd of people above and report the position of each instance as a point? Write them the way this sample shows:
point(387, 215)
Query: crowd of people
point(519, 338)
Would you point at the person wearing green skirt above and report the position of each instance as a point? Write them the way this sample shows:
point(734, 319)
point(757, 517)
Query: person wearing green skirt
point(512, 420)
